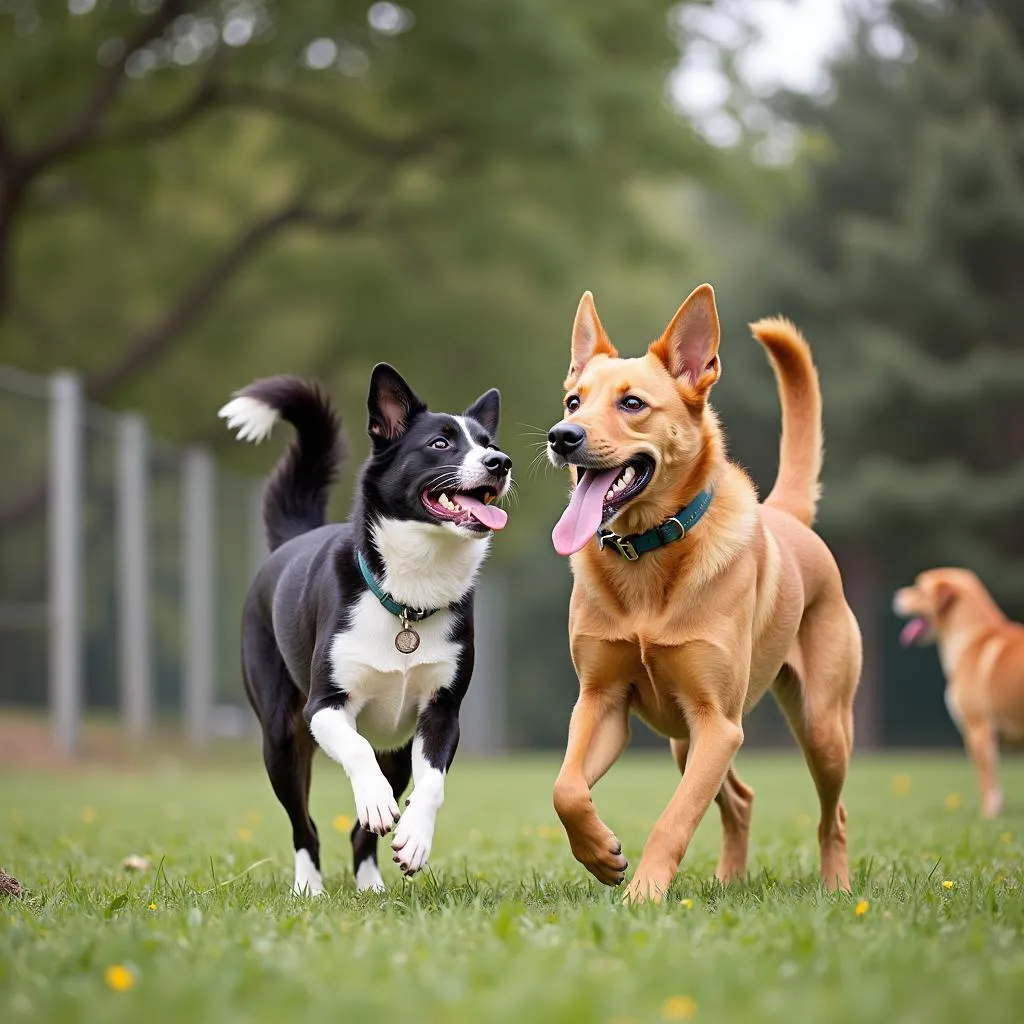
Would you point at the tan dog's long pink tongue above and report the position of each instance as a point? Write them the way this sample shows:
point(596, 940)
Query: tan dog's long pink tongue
point(582, 517)
point(491, 516)
point(912, 631)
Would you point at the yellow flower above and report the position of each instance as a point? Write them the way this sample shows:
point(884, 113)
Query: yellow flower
point(862, 908)
point(679, 1008)
point(245, 834)
point(342, 823)
point(1006, 837)
point(253, 817)
point(899, 785)
point(88, 815)
point(688, 903)
point(118, 977)
point(546, 832)
point(952, 801)
point(152, 906)
point(947, 884)
point(804, 821)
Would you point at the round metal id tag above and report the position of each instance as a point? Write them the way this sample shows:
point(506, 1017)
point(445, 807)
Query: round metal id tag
point(407, 639)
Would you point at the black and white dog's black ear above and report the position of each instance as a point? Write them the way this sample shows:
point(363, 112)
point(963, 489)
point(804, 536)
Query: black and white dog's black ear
point(391, 404)
point(486, 410)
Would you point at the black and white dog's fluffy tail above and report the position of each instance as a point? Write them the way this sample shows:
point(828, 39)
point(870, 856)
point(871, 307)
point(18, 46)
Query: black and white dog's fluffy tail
point(295, 497)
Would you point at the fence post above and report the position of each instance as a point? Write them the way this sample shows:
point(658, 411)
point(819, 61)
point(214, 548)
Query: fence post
point(199, 573)
point(65, 560)
point(483, 713)
point(257, 536)
point(133, 574)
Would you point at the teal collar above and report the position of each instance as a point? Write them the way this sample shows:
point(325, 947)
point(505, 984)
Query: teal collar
point(676, 528)
point(405, 614)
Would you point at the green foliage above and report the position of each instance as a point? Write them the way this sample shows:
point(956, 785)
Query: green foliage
point(506, 926)
point(901, 257)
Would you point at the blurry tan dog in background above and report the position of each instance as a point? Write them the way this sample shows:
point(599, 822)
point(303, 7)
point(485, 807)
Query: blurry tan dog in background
point(982, 656)
point(691, 634)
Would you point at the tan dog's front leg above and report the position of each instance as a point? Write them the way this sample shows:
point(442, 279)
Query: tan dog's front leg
point(715, 739)
point(598, 733)
point(983, 748)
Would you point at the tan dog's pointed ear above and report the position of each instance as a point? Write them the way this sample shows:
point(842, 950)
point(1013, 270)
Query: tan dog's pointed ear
point(588, 337)
point(689, 346)
point(944, 594)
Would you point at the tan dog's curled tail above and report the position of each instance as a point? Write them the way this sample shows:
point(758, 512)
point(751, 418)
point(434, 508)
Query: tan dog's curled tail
point(797, 487)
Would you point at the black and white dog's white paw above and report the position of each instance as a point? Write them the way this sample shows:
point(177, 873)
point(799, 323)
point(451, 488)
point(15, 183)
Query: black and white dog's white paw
point(413, 838)
point(368, 877)
point(376, 807)
point(308, 881)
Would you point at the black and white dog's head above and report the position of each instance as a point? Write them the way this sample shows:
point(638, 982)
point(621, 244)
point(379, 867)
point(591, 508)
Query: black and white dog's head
point(432, 468)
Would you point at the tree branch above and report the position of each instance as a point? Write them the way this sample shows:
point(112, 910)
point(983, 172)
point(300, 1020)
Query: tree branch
point(82, 127)
point(328, 119)
point(154, 341)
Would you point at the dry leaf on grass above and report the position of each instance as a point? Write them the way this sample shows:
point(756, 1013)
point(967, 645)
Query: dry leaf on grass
point(9, 885)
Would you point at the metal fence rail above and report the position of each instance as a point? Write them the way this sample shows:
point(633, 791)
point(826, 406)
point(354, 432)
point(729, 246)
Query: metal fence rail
point(124, 562)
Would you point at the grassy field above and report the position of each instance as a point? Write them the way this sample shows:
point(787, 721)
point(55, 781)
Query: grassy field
point(507, 927)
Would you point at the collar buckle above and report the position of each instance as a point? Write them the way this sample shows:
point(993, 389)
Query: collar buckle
point(671, 530)
point(621, 544)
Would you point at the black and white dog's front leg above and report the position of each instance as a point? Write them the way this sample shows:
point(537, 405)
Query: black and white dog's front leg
point(433, 748)
point(332, 721)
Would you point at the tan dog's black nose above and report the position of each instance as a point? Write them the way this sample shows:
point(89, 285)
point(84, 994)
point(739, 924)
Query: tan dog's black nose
point(565, 438)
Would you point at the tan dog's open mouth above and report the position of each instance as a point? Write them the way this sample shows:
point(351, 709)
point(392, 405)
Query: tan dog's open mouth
point(599, 495)
point(916, 631)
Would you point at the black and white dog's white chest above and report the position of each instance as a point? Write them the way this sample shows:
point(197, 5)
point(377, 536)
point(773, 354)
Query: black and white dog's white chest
point(386, 688)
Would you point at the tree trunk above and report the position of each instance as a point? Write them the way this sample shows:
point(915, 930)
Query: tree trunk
point(862, 581)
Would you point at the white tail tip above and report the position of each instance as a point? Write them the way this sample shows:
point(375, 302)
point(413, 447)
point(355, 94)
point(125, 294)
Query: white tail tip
point(253, 419)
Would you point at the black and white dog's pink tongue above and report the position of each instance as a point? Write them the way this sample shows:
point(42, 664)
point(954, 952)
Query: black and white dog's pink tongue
point(491, 516)
point(582, 517)
point(913, 631)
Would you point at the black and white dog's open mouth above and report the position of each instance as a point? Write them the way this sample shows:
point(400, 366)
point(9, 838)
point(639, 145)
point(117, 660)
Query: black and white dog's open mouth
point(472, 509)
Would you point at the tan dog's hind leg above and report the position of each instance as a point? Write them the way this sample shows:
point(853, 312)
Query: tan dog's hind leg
point(735, 801)
point(983, 748)
point(598, 733)
point(826, 737)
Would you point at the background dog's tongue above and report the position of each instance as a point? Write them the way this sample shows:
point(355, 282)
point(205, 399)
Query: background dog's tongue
point(491, 516)
point(581, 519)
point(912, 630)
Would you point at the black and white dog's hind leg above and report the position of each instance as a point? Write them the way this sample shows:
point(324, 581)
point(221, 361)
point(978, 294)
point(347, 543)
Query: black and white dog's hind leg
point(433, 750)
point(397, 768)
point(288, 747)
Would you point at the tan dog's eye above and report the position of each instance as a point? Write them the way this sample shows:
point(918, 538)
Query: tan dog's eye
point(632, 404)
point(572, 403)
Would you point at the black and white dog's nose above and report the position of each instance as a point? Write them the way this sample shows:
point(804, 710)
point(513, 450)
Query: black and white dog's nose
point(565, 438)
point(497, 463)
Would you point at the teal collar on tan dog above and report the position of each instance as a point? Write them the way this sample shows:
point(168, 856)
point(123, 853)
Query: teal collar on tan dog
point(634, 545)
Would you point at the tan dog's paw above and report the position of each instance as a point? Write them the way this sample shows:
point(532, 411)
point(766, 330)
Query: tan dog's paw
point(649, 885)
point(601, 855)
point(992, 804)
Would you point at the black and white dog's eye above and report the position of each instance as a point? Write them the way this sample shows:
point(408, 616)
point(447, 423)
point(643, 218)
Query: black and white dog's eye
point(439, 443)
point(633, 404)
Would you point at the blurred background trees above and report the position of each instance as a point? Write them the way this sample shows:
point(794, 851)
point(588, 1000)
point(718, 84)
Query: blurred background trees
point(194, 194)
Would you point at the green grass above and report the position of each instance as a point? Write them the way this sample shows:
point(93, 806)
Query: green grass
point(507, 926)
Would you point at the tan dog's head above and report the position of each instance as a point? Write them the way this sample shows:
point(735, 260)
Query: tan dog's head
point(928, 602)
point(639, 432)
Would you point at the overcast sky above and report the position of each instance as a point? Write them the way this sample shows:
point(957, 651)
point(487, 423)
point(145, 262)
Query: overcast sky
point(797, 37)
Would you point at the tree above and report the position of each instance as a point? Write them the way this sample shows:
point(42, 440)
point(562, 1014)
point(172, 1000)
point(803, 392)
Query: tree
point(901, 257)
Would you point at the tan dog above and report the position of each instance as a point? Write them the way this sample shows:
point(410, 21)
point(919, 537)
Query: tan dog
point(982, 655)
point(691, 634)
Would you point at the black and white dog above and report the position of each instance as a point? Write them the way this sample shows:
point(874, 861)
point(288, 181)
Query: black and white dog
point(358, 636)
